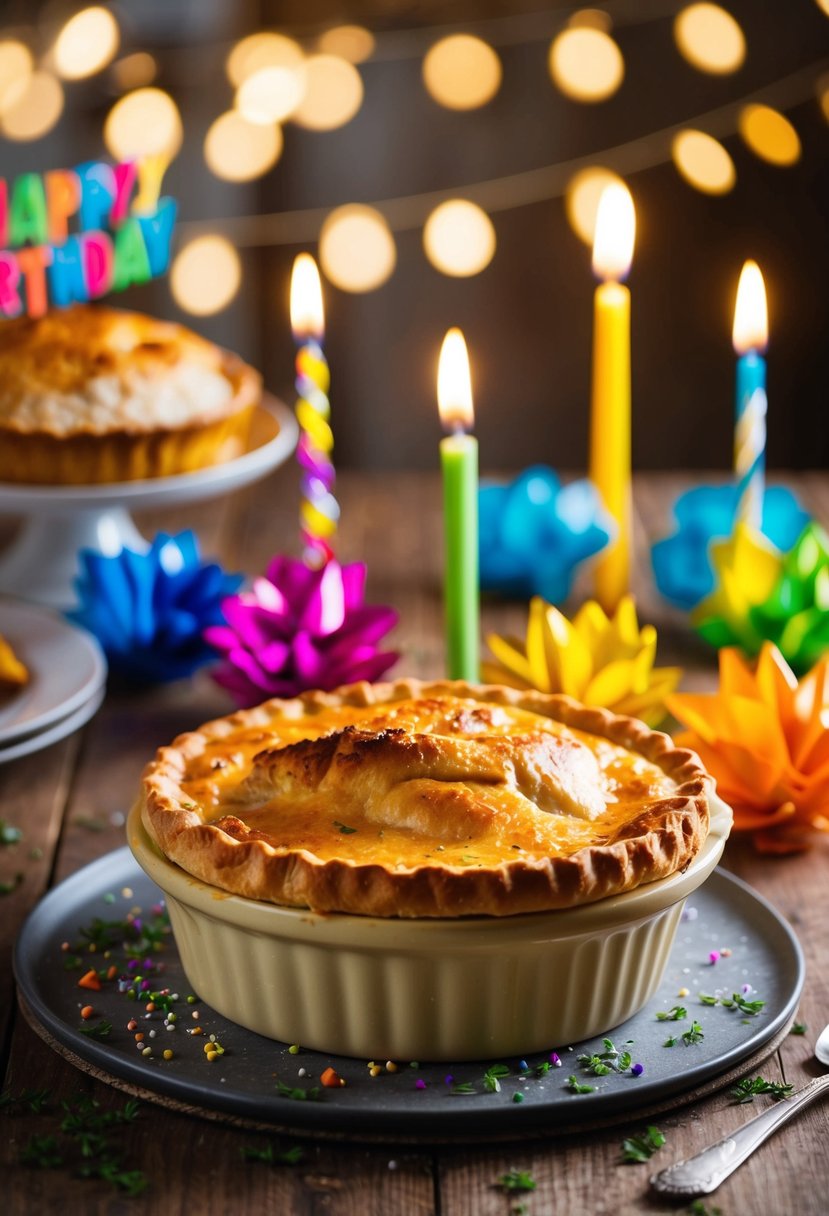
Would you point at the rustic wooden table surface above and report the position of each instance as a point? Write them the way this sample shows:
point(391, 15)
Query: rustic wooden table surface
point(86, 782)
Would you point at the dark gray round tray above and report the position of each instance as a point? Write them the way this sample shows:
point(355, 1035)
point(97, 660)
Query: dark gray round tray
point(244, 1082)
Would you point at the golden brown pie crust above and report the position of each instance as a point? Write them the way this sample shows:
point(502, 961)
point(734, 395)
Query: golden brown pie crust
point(662, 828)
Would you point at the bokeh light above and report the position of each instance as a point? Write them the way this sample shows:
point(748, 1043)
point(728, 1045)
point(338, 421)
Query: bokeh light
point(271, 93)
point(357, 249)
point(462, 72)
point(31, 106)
point(351, 42)
point(133, 71)
point(86, 44)
point(143, 123)
point(239, 151)
point(586, 64)
point(263, 50)
point(333, 93)
point(15, 66)
point(823, 93)
point(710, 39)
point(581, 199)
point(205, 275)
point(769, 134)
point(459, 238)
point(703, 162)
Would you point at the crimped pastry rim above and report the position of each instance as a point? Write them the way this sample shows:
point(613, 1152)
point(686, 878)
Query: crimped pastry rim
point(658, 843)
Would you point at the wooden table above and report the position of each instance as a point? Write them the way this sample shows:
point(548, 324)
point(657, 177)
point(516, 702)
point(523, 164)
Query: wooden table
point(70, 799)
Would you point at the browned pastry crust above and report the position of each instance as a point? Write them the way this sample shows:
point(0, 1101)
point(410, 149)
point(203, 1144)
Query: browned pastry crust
point(446, 785)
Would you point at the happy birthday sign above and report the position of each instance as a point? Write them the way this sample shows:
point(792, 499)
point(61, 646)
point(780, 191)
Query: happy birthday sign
point(76, 234)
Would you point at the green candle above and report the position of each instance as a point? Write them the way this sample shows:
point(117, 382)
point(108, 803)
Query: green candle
point(459, 464)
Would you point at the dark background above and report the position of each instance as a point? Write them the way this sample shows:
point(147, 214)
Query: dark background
point(527, 317)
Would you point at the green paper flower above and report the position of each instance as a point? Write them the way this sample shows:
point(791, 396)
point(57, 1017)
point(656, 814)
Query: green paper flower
point(796, 614)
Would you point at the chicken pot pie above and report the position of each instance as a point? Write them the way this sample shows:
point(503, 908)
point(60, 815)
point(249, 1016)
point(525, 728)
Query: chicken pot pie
point(426, 800)
point(91, 394)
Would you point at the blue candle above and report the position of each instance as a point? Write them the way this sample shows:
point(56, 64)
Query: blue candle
point(750, 335)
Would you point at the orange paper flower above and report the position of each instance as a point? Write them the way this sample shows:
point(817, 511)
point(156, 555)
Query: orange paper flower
point(765, 738)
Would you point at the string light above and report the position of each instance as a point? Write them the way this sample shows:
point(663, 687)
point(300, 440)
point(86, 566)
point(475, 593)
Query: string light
point(703, 162)
point(31, 106)
point(271, 94)
point(581, 199)
point(86, 44)
point(263, 50)
point(143, 123)
point(586, 64)
point(357, 249)
point(769, 135)
point(205, 275)
point(462, 72)
point(459, 238)
point(15, 65)
point(351, 42)
point(710, 39)
point(239, 151)
point(333, 93)
point(133, 71)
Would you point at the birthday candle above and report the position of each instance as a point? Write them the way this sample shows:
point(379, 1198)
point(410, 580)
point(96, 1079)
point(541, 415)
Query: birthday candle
point(459, 464)
point(319, 509)
point(610, 420)
point(750, 335)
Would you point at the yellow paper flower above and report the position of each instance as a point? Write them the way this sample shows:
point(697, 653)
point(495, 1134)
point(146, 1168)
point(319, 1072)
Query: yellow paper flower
point(747, 569)
point(765, 738)
point(596, 659)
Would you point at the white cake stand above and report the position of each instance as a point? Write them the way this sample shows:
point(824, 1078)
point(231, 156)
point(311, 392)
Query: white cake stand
point(42, 562)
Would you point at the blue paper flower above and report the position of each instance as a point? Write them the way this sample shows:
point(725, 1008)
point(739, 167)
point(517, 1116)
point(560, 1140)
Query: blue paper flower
point(534, 533)
point(682, 564)
point(149, 610)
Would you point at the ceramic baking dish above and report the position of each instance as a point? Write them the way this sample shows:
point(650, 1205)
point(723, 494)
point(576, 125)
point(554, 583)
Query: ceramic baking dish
point(465, 989)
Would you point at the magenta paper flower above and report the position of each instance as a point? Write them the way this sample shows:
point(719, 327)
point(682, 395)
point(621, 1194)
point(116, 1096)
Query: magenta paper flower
point(299, 628)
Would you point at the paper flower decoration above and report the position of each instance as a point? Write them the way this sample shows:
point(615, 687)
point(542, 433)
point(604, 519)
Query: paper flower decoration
point(682, 563)
point(763, 595)
point(534, 533)
point(596, 659)
point(149, 610)
point(765, 738)
point(300, 628)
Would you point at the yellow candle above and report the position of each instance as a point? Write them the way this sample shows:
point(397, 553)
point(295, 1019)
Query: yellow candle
point(610, 399)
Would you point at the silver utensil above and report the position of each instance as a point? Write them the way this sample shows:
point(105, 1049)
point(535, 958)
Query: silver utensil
point(703, 1173)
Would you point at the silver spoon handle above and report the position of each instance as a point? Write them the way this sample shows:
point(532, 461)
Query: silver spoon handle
point(703, 1173)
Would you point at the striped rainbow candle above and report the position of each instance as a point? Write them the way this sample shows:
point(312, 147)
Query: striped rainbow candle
point(750, 335)
point(319, 510)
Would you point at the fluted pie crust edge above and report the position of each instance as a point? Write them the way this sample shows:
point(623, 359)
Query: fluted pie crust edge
point(659, 841)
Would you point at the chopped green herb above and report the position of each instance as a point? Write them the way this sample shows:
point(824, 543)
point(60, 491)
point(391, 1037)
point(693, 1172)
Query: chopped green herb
point(642, 1148)
point(739, 1002)
point(99, 1031)
point(610, 1060)
point(698, 1208)
point(575, 1087)
point(86, 1145)
point(42, 1152)
point(462, 1087)
point(517, 1180)
point(671, 1042)
point(799, 1028)
point(543, 1068)
point(298, 1093)
point(9, 834)
point(344, 828)
point(269, 1156)
point(694, 1035)
point(705, 999)
point(492, 1084)
point(746, 1089)
point(34, 1099)
point(594, 1064)
point(677, 1014)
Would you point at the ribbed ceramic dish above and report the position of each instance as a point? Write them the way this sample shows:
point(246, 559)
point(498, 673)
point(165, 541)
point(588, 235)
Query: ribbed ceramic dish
point(465, 989)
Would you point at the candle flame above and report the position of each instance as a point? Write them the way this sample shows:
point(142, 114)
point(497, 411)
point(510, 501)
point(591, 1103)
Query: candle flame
point(307, 315)
point(615, 233)
point(454, 384)
point(751, 319)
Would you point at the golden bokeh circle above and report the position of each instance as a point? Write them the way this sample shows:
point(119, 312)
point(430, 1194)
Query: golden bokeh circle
point(145, 122)
point(710, 39)
point(769, 134)
point(271, 94)
point(333, 93)
point(586, 64)
point(262, 50)
point(462, 72)
point(357, 249)
point(16, 65)
point(239, 151)
point(352, 42)
point(87, 43)
point(31, 106)
point(581, 199)
point(459, 238)
point(703, 162)
point(205, 275)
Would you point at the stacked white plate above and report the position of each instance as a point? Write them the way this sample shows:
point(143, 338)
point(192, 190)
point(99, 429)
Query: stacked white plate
point(67, 681)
